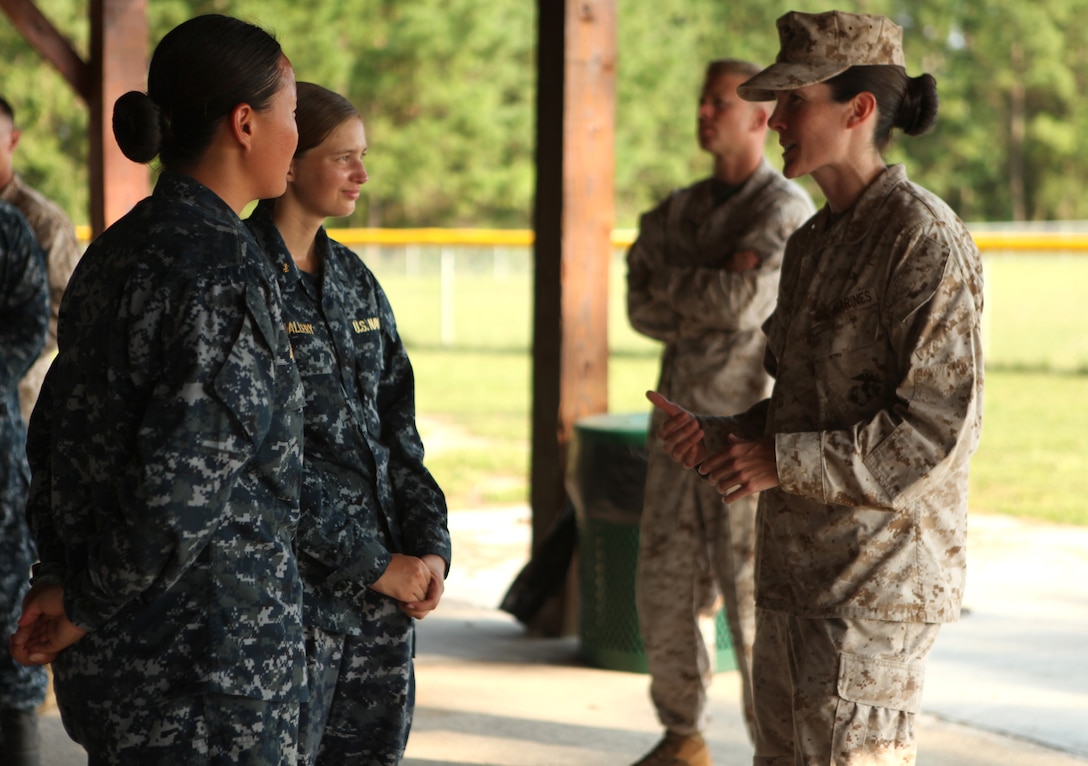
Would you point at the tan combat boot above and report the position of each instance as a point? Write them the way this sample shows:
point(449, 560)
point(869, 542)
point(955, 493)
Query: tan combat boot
point(677, 750)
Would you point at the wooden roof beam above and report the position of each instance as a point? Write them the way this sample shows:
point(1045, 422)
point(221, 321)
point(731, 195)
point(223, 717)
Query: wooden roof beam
point(50, 43)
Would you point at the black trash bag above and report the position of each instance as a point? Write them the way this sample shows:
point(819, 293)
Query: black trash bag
point(546, 571)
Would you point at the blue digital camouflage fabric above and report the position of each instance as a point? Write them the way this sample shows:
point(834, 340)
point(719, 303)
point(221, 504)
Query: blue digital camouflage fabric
point(57, 238)
point(165, 453)
point(366, 493)
point(362, 689)
point(200, 730)
point(693, 548)
point(24, 317)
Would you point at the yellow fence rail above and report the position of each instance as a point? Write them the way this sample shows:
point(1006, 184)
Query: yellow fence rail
point(986, 240)
point(1011, 241)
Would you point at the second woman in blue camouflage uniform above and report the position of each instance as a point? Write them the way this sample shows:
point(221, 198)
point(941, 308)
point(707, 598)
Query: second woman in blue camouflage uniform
point(165, 448)
point(373, 544)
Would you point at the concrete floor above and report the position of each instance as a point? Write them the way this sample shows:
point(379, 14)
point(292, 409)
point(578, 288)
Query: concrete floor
point(1006, 686)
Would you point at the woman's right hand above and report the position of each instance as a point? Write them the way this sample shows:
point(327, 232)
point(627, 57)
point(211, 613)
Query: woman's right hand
point(680, 434)
point(405, 579)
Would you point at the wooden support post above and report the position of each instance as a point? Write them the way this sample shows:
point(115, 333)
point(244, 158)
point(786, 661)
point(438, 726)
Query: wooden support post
point(119, 60)
point(573, 219)
point(118, 64)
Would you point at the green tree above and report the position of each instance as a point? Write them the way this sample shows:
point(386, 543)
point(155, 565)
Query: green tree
point(52, 153)
point(447, 90)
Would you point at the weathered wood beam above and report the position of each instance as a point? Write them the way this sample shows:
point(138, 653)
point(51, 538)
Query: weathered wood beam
point(573, 217)
point(50, 43)
point(119, 60)
point(118, 63)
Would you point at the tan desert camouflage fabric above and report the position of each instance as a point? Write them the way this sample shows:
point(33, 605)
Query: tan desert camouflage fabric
point(692, 546)
point(814, 47)
point(877, 407)
point(855, 698)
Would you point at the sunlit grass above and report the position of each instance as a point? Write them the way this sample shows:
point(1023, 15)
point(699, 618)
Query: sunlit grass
point(1032, 461)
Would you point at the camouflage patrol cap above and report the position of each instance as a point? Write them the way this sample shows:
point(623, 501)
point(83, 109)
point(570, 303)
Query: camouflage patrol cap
point(817, 46)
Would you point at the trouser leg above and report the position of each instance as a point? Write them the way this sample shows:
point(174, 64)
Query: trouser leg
point(674, 586)
point(734, 529)
point(324, 654)
point(20, 740)
point(854, 689)
point(202, 730)
point(374, 700)
point(772, 686)
point(22, 689)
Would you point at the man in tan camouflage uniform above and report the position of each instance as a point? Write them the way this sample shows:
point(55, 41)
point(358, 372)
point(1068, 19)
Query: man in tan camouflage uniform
point(702, 278)
point(57, 238)
point(861, 453)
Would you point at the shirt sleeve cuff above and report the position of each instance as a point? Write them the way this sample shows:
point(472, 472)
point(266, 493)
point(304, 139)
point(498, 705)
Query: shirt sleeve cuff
point(800, 464)
point(364, 570)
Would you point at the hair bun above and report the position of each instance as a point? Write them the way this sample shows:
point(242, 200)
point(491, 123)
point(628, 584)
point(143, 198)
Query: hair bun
point(918, 109)
point(138, 126)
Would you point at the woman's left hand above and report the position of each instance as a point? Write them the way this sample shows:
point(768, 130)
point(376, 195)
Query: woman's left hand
point(745, 467)
point(44, 629)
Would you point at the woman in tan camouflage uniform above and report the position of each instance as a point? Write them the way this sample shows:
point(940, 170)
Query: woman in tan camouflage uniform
point(861, 453)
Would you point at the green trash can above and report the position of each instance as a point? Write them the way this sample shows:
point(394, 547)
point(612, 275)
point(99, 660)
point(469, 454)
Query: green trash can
point(606, 477)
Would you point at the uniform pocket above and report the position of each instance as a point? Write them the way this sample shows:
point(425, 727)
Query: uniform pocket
point(881, 683)
point(841, 334)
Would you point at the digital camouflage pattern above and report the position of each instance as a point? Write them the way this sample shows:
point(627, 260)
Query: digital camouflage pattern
point(366, 688)
point(165, 453)
point(814, 47)
point(190, 731)
point(877, 408)
point(855, 699)
point(24, 316)
point(57, 238)
point(679, 291)
point(366, 494)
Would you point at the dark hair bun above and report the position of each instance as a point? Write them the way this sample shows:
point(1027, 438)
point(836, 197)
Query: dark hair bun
point(137, 126)
point(918, 109)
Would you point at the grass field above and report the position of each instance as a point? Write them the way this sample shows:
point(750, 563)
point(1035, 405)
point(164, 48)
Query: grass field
point(1032, 461)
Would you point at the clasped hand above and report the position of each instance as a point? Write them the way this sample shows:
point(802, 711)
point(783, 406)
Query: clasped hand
point(743, 468)
point(44, 628)
point(416, 582)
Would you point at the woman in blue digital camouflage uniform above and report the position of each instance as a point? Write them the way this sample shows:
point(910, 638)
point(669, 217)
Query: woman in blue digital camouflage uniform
point(373, 544)
point(165, 448)
point(24, 318)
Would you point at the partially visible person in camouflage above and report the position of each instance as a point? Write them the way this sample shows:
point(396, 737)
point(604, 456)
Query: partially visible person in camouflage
point(55, 235)
point(862, 451)
point(24, 317)
point(373, 544)
point(166, 446)
point(702, 277)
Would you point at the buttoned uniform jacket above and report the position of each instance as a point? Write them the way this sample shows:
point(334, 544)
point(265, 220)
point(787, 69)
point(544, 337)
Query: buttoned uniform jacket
point(57, 238)
point(24, 316)
point(877, 407)
point(709, 319)
point(366, 492)
point(165, 453)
